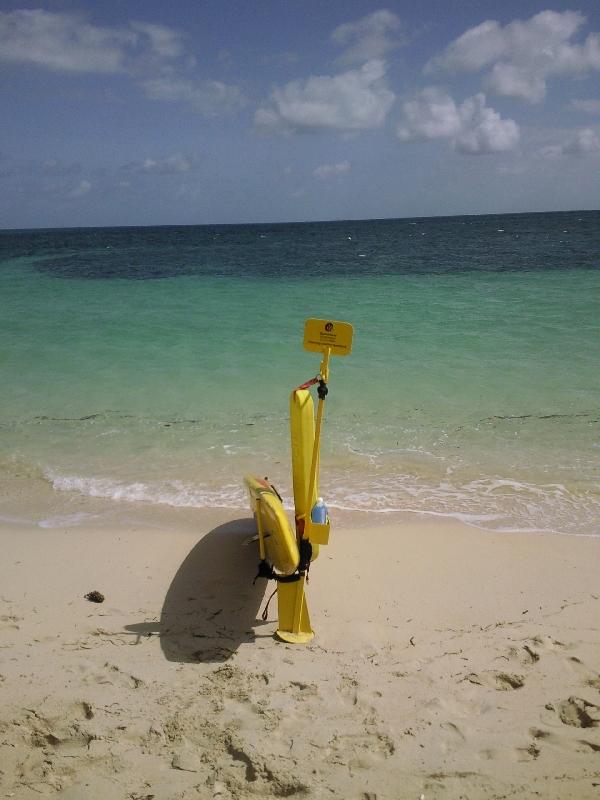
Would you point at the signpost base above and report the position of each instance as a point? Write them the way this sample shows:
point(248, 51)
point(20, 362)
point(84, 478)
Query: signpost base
point(294, 621)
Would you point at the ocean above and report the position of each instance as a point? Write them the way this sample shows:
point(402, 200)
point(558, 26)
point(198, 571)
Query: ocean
point(147, 368)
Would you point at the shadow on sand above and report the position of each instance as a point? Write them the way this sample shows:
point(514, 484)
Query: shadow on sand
point(211, 606)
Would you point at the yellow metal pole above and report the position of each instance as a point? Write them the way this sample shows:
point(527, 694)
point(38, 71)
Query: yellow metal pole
point(298, 603)
point(325, 364)
point(317, 444)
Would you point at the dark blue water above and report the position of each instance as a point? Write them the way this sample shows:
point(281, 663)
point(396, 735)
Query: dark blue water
point(492, 243)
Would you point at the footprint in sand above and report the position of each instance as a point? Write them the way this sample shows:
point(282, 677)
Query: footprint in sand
point(454, 731)
point(114, 676)
point(348, 689)
point(547, 643)
point(9, 622)
point(301, 690)
point(452, 738)
point(588, 677)
point(525, 656)
point(239, 683)
point(9, 630)
point(540, 738)
point(501, 681)
point(540, 735)
point(362, 749)
point(65, 729)
point(578, 712)
point(587, 746)
point(221, 752)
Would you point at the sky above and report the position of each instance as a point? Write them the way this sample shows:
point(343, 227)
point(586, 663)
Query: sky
point(139, 112)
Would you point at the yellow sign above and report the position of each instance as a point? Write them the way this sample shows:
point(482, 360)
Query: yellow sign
point(323, 334)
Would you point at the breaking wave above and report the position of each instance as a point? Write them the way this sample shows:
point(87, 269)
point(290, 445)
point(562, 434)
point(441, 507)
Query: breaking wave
point(495, 504)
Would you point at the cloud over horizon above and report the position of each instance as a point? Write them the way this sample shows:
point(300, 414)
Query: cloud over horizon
point(584, 142)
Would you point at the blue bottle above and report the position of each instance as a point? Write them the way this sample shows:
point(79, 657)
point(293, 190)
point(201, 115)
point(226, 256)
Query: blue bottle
point(319, 512)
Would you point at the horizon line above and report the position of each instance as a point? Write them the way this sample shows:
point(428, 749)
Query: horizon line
point(296, 222)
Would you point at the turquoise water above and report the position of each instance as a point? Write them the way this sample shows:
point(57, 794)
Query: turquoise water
point(153, 366)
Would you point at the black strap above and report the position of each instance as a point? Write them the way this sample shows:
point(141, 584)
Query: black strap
point(265, 570)
point(274, 489)
point(265, 613)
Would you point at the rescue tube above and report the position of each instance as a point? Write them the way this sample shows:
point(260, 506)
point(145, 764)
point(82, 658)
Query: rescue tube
point(302, 428)
point(281, 547)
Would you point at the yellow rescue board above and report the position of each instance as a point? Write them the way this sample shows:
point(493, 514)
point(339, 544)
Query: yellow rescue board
point(281, 547)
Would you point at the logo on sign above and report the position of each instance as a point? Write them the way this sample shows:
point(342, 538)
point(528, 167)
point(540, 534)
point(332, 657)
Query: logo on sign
point(329, 327)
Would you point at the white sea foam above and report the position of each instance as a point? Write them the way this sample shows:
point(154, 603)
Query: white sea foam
point(174, 493)
point(67, 520)
point(495, 503)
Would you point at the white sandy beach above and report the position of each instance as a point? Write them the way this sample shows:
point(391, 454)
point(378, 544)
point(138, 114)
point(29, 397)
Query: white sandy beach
point(447, 663)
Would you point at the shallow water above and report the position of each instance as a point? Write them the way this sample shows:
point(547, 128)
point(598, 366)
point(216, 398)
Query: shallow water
point(153, 365)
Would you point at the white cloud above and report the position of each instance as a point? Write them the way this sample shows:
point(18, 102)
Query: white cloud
point(164, 41)
point(169, 165)
point(434, 115)
point(68, 43)
point(204, 96)
point(472, 127)
point(483, 130)
point(62, 42)
point(350, 101)
point(510, 80)
point(587, 106)
point(369, 37)
point(585, 142)
point(154, 54)
point(523, 54)
point(330, 170)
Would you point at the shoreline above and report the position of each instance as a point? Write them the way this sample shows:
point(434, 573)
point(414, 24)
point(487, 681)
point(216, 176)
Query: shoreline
point(447, 661)
point(85, 514)
point(30, 501)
